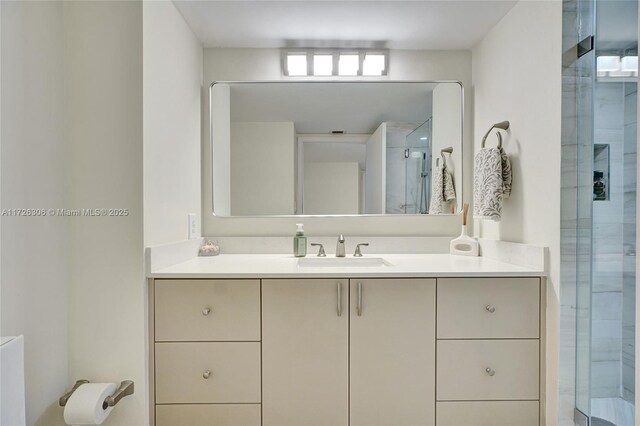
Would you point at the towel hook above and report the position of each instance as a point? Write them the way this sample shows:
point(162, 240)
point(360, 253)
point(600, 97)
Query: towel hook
point(503, 125)
point(448, 150)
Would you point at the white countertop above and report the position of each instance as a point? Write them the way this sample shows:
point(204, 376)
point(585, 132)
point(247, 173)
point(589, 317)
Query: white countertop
point(286, 266)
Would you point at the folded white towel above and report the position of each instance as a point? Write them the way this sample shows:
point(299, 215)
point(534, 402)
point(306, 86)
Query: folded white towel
point(491, 183)
point(442, 189)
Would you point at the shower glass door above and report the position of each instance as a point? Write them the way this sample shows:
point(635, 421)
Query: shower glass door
point(605, 83)
point(408, 183)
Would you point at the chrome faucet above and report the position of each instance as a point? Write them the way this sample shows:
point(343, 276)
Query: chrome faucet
point(358, 252)
point(340, 246)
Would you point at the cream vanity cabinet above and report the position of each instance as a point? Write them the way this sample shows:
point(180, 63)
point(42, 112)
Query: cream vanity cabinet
point(392, 351)
point(340, 352)
point(488, 352)
point(360, 352)
point(206, 352)
point(305, 349)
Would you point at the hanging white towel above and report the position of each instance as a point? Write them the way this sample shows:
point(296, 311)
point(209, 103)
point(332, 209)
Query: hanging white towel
point(491, 183)
point(442, 189)
point(448, 188)
point(437, 194)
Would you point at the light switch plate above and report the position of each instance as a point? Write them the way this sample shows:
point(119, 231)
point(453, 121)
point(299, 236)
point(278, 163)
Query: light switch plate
point(193, 226)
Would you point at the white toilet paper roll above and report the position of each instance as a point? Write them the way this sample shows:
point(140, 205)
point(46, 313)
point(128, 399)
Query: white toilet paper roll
point(85, 405)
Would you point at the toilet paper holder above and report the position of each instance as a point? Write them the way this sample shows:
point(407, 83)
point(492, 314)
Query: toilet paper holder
point(125, 388)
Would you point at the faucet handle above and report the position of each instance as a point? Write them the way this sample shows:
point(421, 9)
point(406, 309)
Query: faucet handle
point(358, 253)
point(321, 252)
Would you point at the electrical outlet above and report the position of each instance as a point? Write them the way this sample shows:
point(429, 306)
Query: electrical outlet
point(193, 226)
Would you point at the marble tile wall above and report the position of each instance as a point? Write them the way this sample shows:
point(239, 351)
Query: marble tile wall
point(606, 298)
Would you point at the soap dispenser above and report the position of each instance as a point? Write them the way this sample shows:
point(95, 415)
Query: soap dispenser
point(299, 242)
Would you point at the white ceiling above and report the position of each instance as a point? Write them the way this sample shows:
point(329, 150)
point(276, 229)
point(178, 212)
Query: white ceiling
point(325, 107)
point(391, 24)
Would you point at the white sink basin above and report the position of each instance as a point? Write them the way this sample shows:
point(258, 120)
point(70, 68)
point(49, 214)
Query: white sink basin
point(342, 262)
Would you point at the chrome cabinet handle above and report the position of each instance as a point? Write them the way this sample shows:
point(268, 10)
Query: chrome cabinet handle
point(206, 374)
point(490, 308)
point(359, 305)
point(339, 299)
point(206, 311)
point(490, 371)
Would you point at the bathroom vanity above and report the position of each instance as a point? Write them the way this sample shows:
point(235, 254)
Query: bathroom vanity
point(422, 339)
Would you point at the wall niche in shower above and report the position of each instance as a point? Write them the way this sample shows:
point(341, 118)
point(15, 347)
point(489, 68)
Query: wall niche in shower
point(601, 172)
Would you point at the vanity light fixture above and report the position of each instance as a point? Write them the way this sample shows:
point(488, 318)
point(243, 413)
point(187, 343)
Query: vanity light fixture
point(297, 64)
point(613, 68)
point(348, 64)
point(374, 64)
point(335, 63)
point(629, 64)
point(620, 73)
point(322, 64)
point(608, 63)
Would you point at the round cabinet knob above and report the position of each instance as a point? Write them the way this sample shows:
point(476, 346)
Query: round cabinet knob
point(206, 374)
point(206, 311)
point(490, 308)
point(490, 371)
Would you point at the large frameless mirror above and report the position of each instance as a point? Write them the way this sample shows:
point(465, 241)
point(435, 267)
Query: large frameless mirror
point(336, 148)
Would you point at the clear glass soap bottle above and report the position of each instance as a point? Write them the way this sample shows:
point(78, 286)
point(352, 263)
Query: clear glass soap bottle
point(299, 242)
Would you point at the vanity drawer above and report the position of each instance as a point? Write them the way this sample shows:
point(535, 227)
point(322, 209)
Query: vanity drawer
point(488, 308)
point(208, 415)
point(488, 413)
point(465, 367)
point(207, 310)
point(181, 370)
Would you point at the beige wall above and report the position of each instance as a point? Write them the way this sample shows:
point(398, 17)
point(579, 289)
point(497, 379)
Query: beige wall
point(517, 77)
point(264, 64)
point(262, 168)
point(320, 181)
point(72, 105)
point(172, 73)
point(104, 117)
point(35, 267)
point(72, 109)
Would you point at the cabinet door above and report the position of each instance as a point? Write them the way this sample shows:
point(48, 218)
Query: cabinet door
point(392, 352)
point(305, 344)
